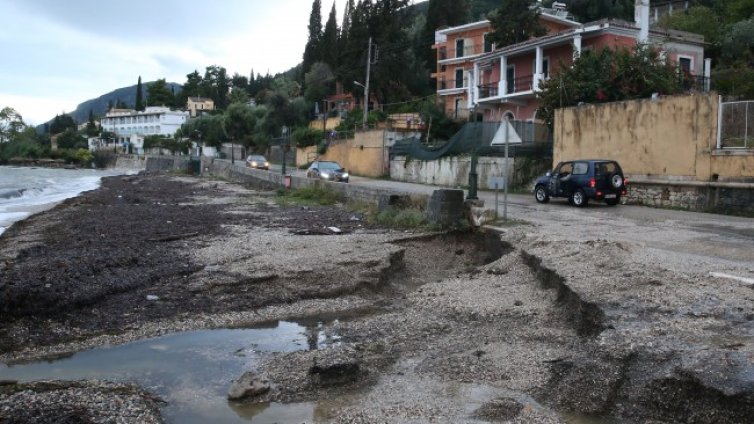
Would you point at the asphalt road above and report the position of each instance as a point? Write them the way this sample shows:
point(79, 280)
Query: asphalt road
point(678, 240)
point(691, 242)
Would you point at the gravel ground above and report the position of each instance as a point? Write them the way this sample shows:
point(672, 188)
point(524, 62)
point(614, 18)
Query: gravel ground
point(520, 325)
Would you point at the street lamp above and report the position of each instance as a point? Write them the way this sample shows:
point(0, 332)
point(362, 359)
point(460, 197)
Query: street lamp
point(366, 101)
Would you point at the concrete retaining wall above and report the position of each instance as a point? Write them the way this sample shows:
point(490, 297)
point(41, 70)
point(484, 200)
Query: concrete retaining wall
point(451, 171)
point(363, 155)
point(130, 162)
point(167, 163)
point(271, 181)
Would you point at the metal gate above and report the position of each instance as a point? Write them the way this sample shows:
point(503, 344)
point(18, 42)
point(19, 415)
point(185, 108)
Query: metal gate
point(736, 125)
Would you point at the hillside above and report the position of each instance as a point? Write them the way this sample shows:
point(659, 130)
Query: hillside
point(99, 105)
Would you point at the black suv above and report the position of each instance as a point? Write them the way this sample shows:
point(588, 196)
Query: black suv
point(581, 180)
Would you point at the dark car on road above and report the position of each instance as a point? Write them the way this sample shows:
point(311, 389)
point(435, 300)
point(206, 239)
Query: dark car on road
point(327, 170)
point(581, 181)
point(257, 161)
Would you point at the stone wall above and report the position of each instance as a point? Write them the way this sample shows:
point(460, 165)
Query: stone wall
point(713, 197)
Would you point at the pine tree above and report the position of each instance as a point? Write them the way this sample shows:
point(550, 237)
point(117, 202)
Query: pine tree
point(139, 96)
point(158, 93)
point(515, 22)
point(312, 50)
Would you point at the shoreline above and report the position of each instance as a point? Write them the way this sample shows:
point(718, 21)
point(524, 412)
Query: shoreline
point(453, 327)
point(24, 209)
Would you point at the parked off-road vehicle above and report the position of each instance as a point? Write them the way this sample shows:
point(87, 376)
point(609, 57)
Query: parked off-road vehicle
point(581, 180)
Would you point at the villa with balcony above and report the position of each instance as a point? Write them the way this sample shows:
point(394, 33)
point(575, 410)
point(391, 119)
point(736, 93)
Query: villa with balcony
point(503, 82)
point(458, 48)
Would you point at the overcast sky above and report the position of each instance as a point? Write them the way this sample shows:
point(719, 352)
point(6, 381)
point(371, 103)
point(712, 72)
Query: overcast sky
point(56, 54)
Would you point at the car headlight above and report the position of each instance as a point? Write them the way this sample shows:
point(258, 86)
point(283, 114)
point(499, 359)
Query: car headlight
point(345, 175)
point(325, 175)
point(253, 163)
point(267, 164)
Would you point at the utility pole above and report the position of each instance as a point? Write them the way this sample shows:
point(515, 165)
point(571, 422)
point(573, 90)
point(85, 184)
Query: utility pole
point(507, 172)
point(284, 145)
point(366, 86)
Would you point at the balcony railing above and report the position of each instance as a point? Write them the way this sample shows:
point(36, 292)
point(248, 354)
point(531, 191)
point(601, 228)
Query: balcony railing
point(451, 52)
point(449, 84)
point(488, 90)
point(516, 85)
point(519, 84)
point(694, 82)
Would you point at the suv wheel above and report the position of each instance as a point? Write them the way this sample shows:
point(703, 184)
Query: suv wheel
point(616, 180)
point(540, 193)
point(579, 199)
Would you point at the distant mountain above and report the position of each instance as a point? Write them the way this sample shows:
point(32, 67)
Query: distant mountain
point(99, 105)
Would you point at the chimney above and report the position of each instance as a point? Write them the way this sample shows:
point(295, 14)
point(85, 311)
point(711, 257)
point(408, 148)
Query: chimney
point(641, 15)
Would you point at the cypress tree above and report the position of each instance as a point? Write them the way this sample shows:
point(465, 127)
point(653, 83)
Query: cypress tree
point(312, 50)
point(329, 43)
point(139, 96)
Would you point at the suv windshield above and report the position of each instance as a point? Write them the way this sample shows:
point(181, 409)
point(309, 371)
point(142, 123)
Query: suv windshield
point(256, 158)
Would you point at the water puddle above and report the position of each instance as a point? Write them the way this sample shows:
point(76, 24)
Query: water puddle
point(192, 370)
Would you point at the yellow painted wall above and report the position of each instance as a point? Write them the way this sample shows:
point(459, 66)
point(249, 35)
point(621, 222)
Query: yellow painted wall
point(330, 124)
point(733, 165)
point(363, 155)
point(673, 137)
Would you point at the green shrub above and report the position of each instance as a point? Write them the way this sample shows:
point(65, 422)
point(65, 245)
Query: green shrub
point(21, 149)
point(103, 159)
point(174, 146)
point(305, 137)
point(401, 218)
point(311, 195)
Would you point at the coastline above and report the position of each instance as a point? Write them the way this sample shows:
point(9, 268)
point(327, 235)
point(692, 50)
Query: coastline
point(450, 327)
point(24, 204)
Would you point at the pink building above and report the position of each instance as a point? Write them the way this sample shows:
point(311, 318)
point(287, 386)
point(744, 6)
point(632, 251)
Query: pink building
point(505, 81)
point(459, 47)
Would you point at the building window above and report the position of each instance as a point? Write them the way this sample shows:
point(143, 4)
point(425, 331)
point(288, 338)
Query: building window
point(510, 76)
point(684, 64)
point(488, 46)
point(459, 78)
point(460, 47)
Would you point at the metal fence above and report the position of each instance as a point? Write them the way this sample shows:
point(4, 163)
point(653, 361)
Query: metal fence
point(477, 137)
point(736, 125)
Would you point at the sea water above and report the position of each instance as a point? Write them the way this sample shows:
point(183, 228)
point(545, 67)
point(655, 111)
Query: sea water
point(26, 191)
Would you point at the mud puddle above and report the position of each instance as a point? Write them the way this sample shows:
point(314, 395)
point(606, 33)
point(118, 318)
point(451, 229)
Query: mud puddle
point(191, 371)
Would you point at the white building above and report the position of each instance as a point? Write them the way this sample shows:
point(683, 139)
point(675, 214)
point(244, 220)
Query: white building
point(126, 123)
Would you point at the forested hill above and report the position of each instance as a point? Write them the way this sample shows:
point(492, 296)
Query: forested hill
point(99, 106)
point(125, 95)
